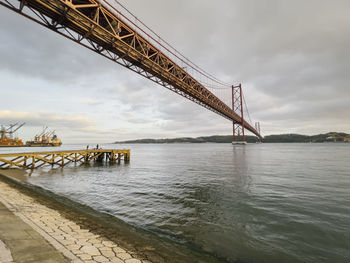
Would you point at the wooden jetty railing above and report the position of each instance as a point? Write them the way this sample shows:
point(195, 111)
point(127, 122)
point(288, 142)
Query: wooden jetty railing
point(34, 160)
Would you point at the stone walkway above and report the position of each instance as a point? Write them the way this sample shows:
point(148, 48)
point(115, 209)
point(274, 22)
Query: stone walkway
point(5, 253)
point(76, 244)
point(19, 242)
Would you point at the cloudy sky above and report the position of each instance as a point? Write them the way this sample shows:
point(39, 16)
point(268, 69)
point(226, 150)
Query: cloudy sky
point(292, 57)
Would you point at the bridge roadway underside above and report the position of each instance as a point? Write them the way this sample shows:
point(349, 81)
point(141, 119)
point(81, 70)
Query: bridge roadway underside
point(94, 25)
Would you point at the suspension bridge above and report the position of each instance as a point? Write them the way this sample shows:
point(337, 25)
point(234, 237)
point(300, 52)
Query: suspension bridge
point(108, 28)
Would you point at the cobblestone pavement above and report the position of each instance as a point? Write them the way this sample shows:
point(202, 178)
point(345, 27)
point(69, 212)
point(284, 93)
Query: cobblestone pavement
point(64, 234)
point(5, 254)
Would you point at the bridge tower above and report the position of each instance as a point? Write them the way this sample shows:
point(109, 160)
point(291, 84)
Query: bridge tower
point(237, 106)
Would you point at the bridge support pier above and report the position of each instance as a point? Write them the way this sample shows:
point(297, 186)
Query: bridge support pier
point(239, 143)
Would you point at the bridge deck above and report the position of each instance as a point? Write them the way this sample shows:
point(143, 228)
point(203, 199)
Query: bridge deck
point(33, 160)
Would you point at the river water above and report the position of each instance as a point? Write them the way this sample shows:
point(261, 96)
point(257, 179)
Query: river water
point(255, 203)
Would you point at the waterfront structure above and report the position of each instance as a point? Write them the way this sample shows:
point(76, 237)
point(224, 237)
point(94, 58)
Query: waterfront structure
point(35, 160)
point(104, 29)
point(333, 136)
point(7, 136)
point(45, 139)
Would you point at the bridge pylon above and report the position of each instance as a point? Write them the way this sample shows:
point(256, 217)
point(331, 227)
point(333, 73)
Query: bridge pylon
point(237, 106)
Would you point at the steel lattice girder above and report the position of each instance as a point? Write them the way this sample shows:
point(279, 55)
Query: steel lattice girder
point(91, 24)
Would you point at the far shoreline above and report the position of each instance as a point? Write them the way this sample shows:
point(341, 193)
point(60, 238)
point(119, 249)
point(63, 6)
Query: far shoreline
point(329, 137)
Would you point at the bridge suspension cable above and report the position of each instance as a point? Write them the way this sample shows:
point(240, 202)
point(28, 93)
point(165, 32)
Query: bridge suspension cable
point(246, 108)
point(216, 86)
point(168, 47)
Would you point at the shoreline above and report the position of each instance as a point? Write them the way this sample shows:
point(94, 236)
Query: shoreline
point(74, 241)
point(140, 246)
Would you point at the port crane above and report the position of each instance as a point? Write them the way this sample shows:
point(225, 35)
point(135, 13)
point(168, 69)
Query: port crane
point(6, 135)
point(42, 133)
point(45, 138)
point(9, 131)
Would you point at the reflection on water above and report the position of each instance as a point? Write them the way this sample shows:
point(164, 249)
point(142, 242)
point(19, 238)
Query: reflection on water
point(255, 203)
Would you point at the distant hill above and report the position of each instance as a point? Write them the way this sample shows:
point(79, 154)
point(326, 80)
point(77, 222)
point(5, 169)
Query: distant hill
point(327, 137)
point(214, 138)
point(281, 138)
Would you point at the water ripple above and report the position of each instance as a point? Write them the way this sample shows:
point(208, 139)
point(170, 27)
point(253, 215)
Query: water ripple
point(259, 203)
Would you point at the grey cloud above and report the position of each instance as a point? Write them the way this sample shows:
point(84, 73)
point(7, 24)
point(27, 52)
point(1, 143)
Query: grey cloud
point(288, 50)
point(36, 51)
point(39, 119)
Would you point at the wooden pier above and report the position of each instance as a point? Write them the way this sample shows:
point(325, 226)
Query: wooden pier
point(33, 160)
